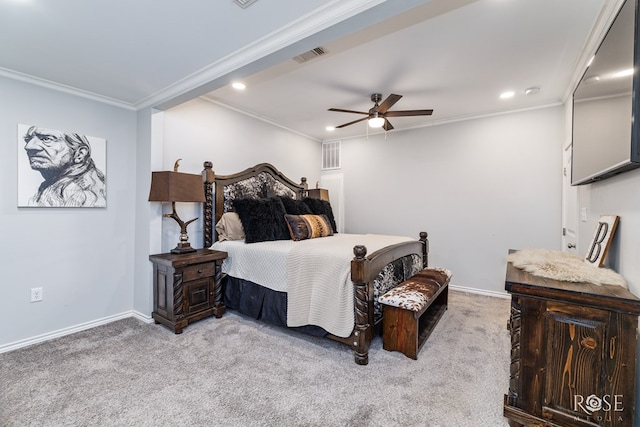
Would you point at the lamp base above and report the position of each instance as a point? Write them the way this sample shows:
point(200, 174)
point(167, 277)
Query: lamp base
point(183, 248)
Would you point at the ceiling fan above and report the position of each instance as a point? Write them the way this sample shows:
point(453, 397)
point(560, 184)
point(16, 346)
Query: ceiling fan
point(377, 115)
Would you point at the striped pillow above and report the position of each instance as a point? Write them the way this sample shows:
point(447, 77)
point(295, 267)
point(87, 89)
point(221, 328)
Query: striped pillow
point(303, 227)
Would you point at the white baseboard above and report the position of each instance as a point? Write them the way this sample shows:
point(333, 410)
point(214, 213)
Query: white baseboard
point(480, 291)
point(148, 319)
point(73, 329)
point(142, 317)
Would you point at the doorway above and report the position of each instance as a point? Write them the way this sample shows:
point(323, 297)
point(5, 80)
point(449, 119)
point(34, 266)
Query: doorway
point(569, 205)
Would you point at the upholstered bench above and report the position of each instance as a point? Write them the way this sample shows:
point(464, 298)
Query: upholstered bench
point(412, 309)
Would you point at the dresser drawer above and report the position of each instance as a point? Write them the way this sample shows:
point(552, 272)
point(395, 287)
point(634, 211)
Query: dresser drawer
point(198, 271)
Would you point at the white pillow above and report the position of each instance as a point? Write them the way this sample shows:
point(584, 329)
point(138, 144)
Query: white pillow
point(230, 227)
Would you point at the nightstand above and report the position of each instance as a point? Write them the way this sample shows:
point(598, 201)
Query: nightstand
point(187, 287)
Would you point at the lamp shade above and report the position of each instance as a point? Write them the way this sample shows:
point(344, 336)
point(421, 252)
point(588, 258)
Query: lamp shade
point(169, 186)
point(319, 193)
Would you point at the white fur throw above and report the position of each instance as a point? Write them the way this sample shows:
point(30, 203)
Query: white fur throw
point(563, 266)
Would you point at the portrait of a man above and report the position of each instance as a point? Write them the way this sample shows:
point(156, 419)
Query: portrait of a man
point(60, 169)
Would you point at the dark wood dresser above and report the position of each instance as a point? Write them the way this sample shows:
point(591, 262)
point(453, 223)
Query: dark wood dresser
point(573, 353)
point(187, 287)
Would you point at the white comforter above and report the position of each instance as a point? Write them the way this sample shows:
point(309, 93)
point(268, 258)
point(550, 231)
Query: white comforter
point(264, 263)
point(315, 273)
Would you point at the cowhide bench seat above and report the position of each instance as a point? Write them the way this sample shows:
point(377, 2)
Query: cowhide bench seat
point(412, 309)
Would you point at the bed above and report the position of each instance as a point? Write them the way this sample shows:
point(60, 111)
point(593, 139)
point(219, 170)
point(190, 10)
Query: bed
point(325, 286)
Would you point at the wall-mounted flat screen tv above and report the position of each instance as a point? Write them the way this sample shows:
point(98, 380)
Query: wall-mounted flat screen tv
point(606, 140)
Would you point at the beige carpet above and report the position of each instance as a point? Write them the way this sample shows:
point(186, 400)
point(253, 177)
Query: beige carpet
point(238, 372)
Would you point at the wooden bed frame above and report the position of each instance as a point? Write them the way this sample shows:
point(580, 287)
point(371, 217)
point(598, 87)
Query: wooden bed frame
point(364, 268)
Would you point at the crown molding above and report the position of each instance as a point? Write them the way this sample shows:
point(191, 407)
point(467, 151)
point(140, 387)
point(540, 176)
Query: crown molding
point(258, 117)
point(317, 20)
point(64, 88)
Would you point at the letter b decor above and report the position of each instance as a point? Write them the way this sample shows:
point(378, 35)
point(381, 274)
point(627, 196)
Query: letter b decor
point(602, 239)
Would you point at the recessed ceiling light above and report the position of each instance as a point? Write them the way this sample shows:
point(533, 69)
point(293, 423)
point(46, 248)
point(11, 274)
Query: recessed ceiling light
point(505, 95)
point(239, 85)
point(330, 128)
point(534, 90)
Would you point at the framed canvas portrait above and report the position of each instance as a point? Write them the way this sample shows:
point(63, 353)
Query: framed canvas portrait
point(60, 169)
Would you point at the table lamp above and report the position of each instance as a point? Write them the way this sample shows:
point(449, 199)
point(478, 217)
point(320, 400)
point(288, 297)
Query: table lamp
point(175, 187)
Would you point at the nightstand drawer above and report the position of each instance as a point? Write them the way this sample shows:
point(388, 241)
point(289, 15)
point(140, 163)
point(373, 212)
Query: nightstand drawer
point(198, 271)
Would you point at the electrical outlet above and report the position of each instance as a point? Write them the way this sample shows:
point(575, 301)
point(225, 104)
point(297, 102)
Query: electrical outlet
point(36, 294)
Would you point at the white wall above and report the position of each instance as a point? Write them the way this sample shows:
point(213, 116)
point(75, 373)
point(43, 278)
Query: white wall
point(478, 187)
point(619, 195)
point(148, 219)
point(200, 131)
point(81, 257)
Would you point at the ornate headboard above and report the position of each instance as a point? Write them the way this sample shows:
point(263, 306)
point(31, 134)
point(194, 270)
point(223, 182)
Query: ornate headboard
point(262, 180)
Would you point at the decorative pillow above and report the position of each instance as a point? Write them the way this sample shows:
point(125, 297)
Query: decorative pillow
point(262, 219)
point(295, 207)
point(280, 229)
point(257, 219)
point(229, 227)
point(321, 207)
point(304, 227)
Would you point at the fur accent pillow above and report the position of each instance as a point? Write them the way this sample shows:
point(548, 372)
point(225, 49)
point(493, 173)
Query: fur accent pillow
point(280, 229)
point(262, 219)
point(304, 227)
point(295, 207)
point(321, 207)
point(229, 227)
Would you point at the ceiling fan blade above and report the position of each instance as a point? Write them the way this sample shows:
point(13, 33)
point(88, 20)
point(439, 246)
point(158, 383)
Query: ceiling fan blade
point(405, 113)
point(350, 123)
point(340, 110)
point(388, 103)
point(387, 125)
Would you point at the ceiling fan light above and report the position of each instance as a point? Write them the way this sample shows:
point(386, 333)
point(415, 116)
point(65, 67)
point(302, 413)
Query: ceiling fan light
point(376, 122)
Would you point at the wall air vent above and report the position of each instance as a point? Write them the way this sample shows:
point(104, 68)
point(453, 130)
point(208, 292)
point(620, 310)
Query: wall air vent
point(331, 155)
point(307, 56)
point(244, 3)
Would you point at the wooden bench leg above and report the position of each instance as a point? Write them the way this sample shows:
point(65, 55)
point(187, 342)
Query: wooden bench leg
point(400, 332)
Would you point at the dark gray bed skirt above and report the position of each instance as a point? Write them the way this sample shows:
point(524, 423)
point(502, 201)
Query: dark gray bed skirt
point(261, 303)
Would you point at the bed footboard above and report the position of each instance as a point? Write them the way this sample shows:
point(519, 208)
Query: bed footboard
point(364, 270)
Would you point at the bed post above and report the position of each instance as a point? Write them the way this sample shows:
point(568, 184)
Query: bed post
point(425, 248)
point(207, 178)
point(362, 330)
